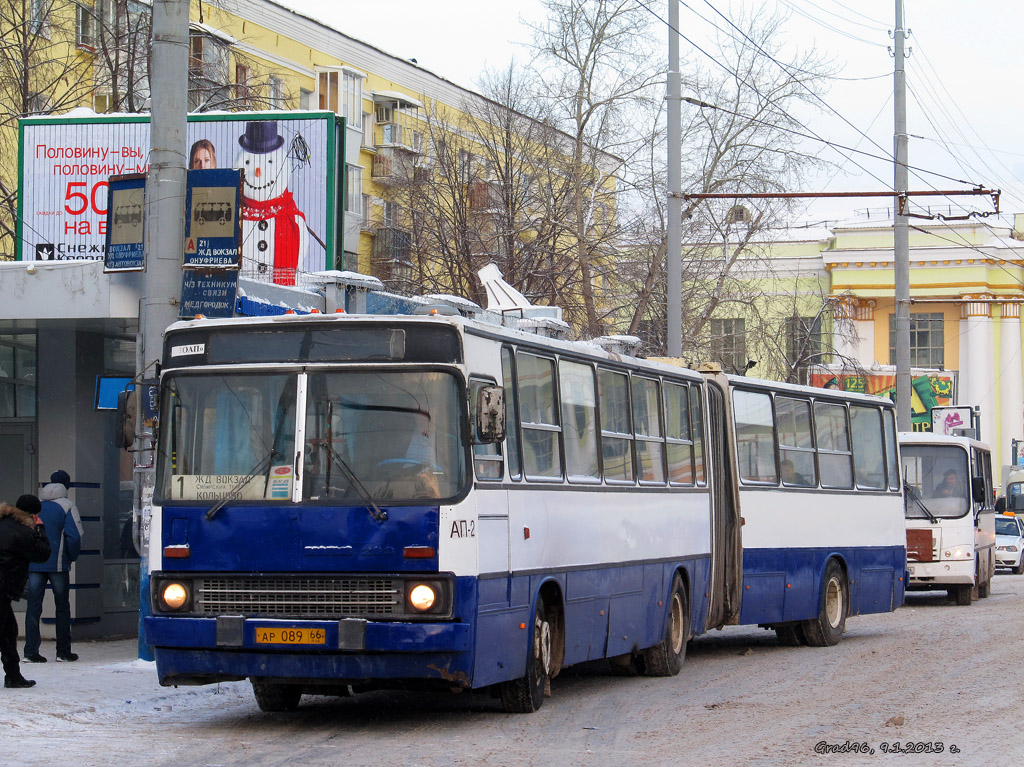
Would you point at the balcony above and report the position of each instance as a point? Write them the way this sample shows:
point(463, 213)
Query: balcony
point(484, 196)
point(395, 118)
point(392, 244)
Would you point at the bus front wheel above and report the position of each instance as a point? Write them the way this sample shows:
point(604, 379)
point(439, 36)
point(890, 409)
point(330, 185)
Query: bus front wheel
point(666, 657)
point(526, 694)
point(274, 697)
point(964, 594)
point(827, 629)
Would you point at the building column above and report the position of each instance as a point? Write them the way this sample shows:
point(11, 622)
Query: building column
point(977, 363)
point(853, 336)
point(1011, 383)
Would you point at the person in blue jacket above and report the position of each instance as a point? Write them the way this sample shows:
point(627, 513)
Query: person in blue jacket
point(64, 531)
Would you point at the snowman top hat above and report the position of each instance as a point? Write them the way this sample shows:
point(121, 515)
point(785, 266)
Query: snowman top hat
point(261, 137)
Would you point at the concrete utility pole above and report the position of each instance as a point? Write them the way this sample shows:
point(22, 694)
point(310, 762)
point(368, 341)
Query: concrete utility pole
point(165, 227)
point(674, 245)
point(901, 231)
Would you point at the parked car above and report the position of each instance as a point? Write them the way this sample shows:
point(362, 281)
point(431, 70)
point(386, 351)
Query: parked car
point(1010, 542)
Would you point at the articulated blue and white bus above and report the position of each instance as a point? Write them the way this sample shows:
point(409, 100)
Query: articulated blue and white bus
point(346, 502)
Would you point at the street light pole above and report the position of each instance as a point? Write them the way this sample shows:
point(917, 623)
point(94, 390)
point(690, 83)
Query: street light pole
point(164, 248)
point(901, 230)
point(674, 233)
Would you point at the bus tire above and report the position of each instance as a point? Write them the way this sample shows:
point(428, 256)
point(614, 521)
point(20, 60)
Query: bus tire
point(790, 634)
point(275, 697)
point(827, 629)
point(666, 658)
point(526, 694)
point(963, 594)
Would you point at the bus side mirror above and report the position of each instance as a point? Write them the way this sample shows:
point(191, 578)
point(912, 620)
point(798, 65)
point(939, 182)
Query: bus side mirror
point(127, 415)
point(978, 489)
point(490, 414)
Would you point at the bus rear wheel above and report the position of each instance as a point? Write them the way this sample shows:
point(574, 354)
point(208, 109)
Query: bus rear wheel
point(275, 697)
point(666, 658)
point(526, 694)
point(790, 634)
point(827, 629)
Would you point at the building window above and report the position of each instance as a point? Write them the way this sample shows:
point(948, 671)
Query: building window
point(927, 340)
point(277, 96)
point(367, 127)
point(38, 103)
point(85, 27)
point(305, 98)
point(18, 375)
point(39, 11)
point(341, 91)
point(729, 344)
point(242, 83)
point(352, 97)
point(354, 190)
point(207, 71)
point(804, 345)
point(366, 206)
point(465, 166)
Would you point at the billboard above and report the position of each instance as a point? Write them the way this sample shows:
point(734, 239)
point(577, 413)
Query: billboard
point(290, 215)
point(928, 390)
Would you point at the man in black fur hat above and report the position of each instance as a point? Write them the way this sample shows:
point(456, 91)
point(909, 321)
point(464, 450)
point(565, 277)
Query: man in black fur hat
point(22, 540)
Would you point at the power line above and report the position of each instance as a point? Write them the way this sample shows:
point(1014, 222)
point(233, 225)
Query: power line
point(755, 90)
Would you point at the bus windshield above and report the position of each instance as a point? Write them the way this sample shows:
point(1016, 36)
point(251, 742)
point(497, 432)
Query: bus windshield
point(397, 432)
point(390, 436)
point(937, 479)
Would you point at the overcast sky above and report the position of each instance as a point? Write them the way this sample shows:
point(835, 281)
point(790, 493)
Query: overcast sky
point(964, 105)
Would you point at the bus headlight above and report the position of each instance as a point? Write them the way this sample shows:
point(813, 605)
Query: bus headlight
point(422, 597)
point(957, 553)
point(174, 595)
point(428, 597)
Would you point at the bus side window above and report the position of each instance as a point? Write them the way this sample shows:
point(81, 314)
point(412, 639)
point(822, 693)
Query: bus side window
point(511, 414)
point(835, 459)
point(650, 459)
point(868, 453)
point(538, 416)
point(697, 430)
point(616, 432)
point(579, 421)
point(755, 436)
point(796, 447)
point(677, 432)
point(891, 462)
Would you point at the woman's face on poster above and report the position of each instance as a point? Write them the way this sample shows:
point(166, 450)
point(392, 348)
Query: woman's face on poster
point(203, 159)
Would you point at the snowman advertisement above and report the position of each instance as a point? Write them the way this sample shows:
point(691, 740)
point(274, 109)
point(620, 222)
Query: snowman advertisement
point(289, 213)
point(275, 238)
point(282, 211)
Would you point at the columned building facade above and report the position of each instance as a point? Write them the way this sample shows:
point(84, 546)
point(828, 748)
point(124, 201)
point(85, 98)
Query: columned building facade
point(966, 288)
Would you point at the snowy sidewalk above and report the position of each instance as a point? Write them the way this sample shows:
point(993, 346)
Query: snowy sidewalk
point(74, 707)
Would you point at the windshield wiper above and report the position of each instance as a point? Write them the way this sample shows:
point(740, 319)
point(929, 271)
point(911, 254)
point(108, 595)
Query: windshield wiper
point(265, 464)
point(913, 495)
point(263, 467)
point(375, 511)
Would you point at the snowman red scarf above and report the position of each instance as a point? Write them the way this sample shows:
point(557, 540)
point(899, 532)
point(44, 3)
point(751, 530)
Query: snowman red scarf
point(283, 211)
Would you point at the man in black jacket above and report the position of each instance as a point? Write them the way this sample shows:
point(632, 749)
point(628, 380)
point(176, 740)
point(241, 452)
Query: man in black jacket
point(22, 540)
